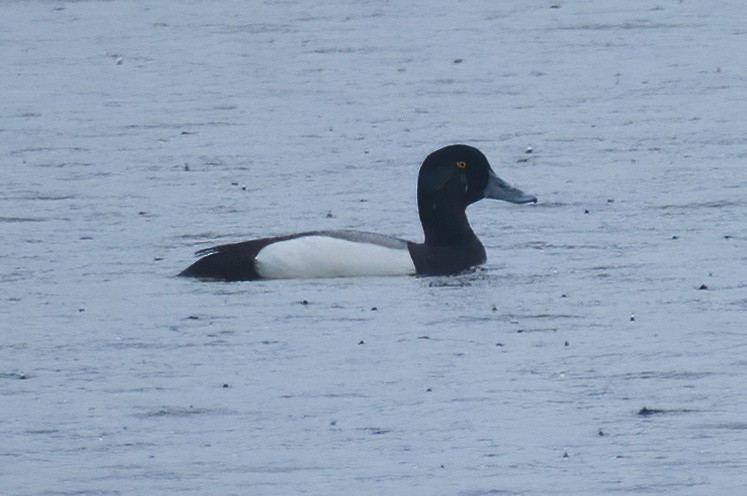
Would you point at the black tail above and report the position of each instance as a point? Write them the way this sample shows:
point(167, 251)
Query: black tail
point(232, 262)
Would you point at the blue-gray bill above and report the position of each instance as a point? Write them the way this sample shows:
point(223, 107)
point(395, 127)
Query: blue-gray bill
point(498, 189)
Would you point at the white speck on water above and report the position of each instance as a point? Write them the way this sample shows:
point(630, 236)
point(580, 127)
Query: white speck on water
point(224, 121)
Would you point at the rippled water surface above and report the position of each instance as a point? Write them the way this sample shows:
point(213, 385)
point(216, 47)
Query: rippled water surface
point(601, 350)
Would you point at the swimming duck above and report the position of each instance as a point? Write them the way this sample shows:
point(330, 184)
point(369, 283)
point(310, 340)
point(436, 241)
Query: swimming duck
point(450, 179)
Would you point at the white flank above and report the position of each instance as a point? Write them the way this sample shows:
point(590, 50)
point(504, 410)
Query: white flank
point(323, 256)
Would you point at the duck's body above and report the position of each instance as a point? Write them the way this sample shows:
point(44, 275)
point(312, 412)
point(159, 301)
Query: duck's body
point(450, 179)
point(306, 255)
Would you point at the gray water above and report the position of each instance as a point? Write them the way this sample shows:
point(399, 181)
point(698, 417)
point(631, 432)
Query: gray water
point(581, 359)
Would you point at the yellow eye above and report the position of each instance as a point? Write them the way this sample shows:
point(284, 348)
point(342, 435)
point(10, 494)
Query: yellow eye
point(461, 165)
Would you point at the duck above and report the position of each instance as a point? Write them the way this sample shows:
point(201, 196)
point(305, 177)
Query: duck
point(450, 179)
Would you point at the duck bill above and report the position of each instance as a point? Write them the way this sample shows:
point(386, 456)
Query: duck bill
point(498, 189)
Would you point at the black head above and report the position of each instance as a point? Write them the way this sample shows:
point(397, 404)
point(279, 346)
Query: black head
point(461, 175)
point(451, 179)
point(456, 172)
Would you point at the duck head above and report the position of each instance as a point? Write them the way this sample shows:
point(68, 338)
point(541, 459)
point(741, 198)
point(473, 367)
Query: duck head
point(451, 179)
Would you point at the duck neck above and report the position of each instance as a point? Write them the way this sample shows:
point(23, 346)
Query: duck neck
point(445, 224)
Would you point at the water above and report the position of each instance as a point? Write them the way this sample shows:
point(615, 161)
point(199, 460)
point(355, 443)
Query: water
point(582, 359)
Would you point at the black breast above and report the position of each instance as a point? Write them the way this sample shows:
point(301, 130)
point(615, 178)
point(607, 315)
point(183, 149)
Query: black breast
point(446, 259)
